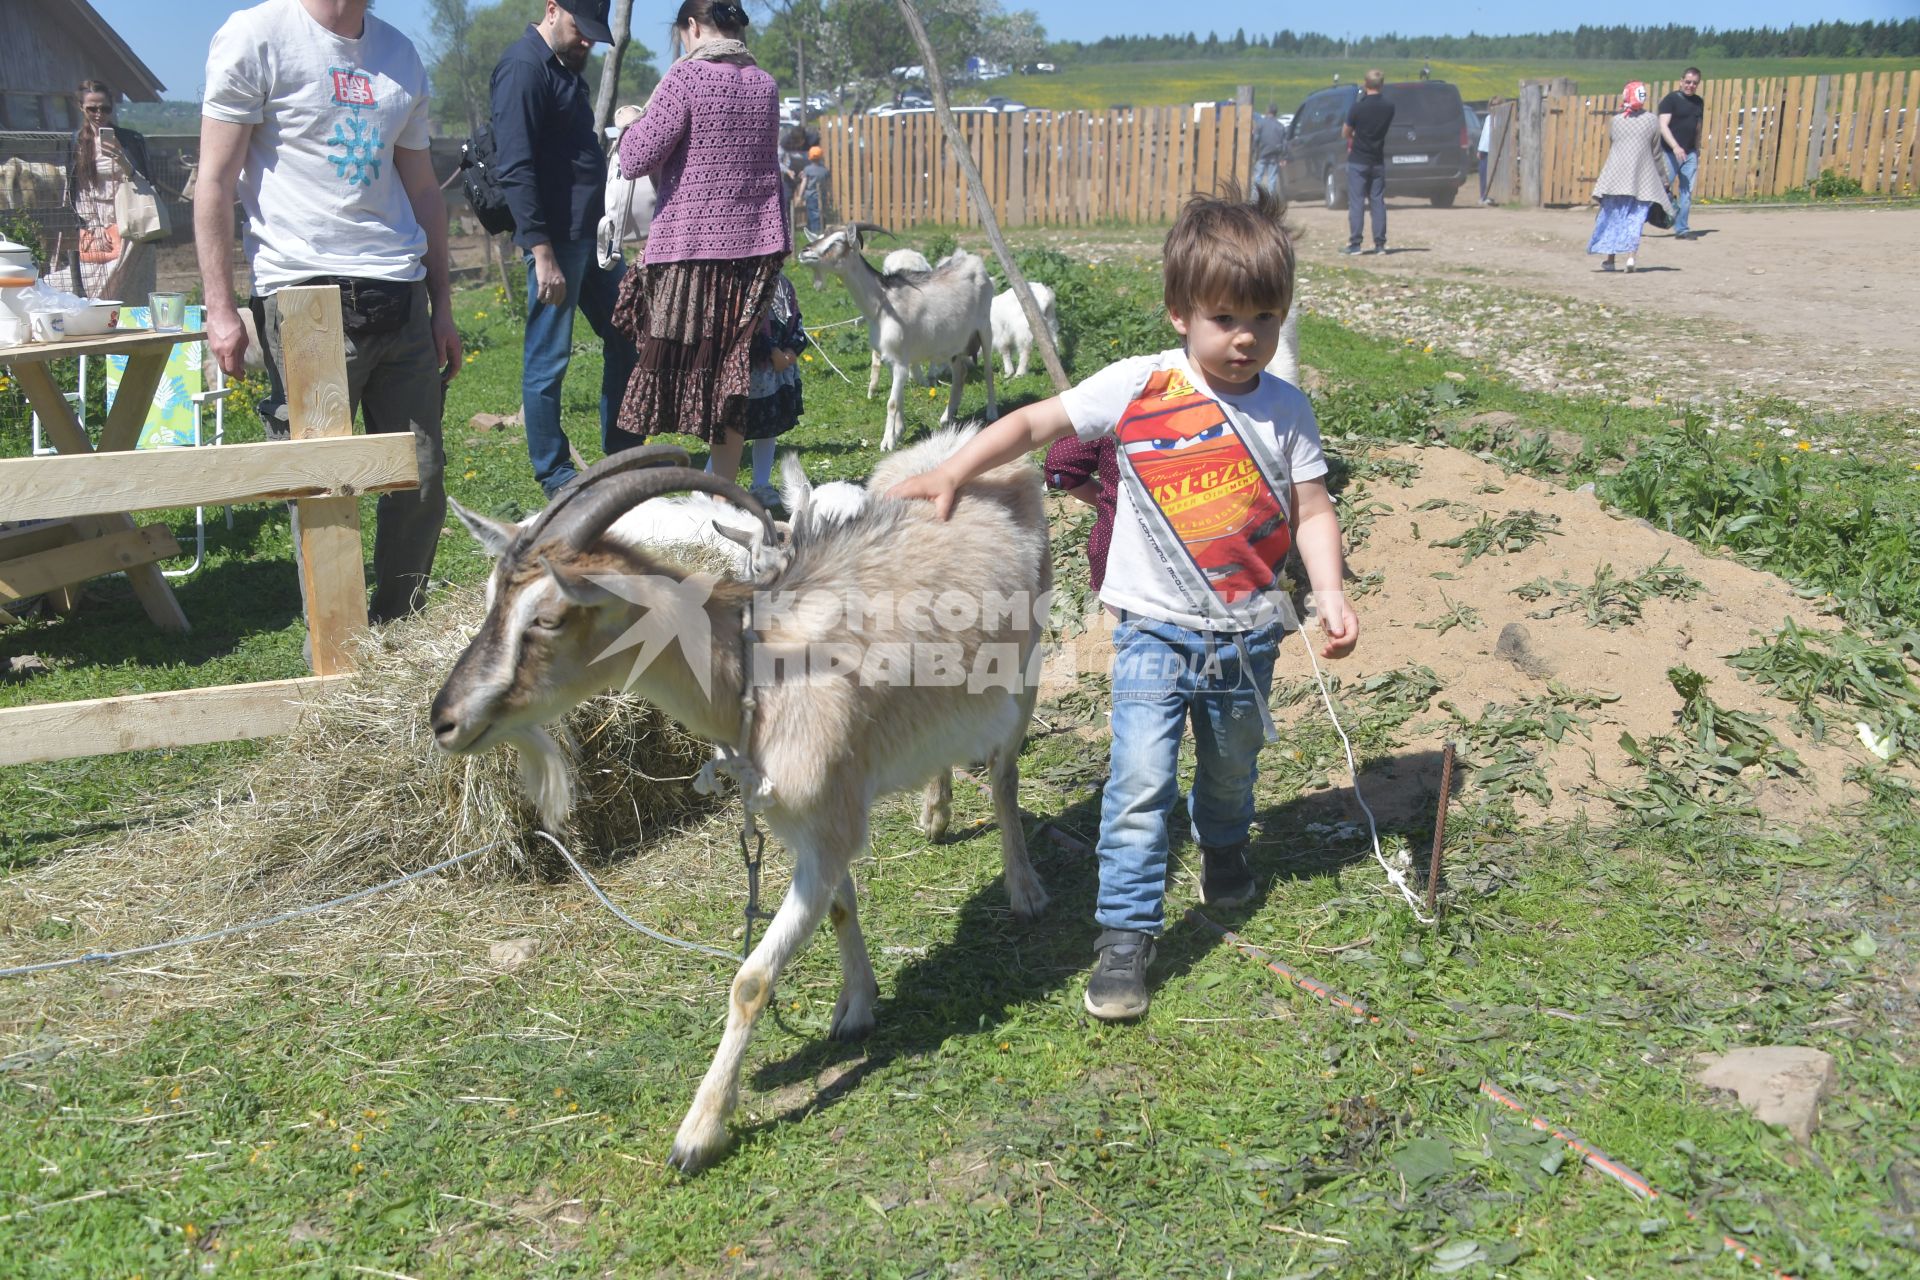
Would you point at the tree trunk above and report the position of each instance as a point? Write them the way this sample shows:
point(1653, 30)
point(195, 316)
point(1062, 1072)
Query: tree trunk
point(621, 21)
point(1042, 336)
point(800, 70)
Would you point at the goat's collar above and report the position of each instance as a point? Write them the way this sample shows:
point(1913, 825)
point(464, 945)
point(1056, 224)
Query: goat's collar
point(735, 759)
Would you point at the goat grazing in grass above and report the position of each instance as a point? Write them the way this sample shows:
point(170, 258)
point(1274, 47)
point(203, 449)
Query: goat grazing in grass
point(870, 653)
point(943, 314)
point(1013, 336)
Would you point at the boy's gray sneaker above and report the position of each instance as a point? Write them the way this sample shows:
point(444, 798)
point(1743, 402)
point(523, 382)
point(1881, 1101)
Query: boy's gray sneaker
point(1225, 879)
point(1118, 987)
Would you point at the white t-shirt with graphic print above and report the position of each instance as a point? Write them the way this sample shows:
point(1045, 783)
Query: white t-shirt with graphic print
point(318, 184)
point(1221, 529)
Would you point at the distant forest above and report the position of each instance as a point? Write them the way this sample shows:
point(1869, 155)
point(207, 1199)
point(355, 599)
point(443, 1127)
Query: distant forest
point(1821, 39)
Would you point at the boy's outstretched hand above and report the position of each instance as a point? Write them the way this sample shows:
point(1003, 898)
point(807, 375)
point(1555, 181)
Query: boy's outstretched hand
point(1338, 623)
point(934, 486)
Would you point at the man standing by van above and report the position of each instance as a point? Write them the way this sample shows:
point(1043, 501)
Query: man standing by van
point(1366, 133)
point(1680, 115)
point(1269, 144)
point(553, 171)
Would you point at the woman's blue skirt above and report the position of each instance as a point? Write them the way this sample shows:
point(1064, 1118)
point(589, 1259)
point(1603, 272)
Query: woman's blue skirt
point(1617, 228)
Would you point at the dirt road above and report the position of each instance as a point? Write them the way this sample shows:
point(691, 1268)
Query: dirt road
point(1820, 306)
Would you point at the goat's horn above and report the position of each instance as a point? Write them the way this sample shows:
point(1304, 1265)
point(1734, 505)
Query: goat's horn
point(591, 515)
point(644, 456)
point(871, 227)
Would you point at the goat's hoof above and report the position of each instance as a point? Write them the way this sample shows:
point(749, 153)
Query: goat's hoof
point(1031, 905)
point(691, 1155)
point(849, 1023)
point(934, 823)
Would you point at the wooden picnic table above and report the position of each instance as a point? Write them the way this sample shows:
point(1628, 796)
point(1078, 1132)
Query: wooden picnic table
point(46, 558)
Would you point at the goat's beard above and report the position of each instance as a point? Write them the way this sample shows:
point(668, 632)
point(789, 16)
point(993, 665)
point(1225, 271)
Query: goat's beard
point(544, 774)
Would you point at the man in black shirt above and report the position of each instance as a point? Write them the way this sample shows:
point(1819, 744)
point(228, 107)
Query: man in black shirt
point(553, 170)
point(1680, 115)
point(1366, 134)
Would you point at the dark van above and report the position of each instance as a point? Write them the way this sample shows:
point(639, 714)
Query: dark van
point(1428, 151)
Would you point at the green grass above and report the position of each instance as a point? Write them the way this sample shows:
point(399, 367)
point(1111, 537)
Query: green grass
point(1096, 86)
point(405, 1108)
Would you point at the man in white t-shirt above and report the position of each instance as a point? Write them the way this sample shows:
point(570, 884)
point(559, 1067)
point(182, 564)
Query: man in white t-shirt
point(1220, 474)
point(315, 119)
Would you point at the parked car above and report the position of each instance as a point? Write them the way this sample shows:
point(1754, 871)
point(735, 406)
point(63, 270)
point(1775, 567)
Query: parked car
point(1038, 69)
point(1005, 104)
point(1429, 147)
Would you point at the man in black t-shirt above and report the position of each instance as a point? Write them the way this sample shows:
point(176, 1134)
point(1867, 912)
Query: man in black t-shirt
point(1680, 115)
point(1366, 134)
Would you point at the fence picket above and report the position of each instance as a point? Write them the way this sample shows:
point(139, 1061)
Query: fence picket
point(1877, 128)
point(1909, 148)
point(1886, 136)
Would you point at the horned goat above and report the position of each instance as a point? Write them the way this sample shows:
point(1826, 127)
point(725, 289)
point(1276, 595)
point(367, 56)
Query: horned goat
point(944, 314)
point(831, 695)
point(1012, 335)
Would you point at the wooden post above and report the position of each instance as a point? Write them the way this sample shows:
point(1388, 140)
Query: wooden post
point(326, 530)
point(1533, 110)
point(1817, 133)
point(1243, 113)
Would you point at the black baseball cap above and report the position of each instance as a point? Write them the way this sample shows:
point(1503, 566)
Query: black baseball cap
point(591, 17)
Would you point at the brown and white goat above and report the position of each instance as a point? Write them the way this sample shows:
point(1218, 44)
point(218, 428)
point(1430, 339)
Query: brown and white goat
point(825, 737)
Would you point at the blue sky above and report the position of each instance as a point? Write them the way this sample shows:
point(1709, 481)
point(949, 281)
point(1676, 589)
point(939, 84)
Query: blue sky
point(171, 35)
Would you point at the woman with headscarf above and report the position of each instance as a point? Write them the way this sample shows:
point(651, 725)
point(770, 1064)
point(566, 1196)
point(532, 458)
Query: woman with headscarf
point(104, 157)
point(710, 138)
point(1630, 183)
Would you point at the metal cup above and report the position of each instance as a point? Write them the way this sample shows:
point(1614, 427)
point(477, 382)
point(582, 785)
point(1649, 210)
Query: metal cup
point(169, 311)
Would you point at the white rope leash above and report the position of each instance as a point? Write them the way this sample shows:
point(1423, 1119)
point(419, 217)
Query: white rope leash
point(829, 359)
point(628, 920)
point(108, 957)
point(1396, 876)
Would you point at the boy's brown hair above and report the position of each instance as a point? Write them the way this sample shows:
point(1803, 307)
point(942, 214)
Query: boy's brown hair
point(1228, 249)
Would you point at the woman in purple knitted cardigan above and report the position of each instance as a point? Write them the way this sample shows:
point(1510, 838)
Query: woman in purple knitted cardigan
point(709, 137)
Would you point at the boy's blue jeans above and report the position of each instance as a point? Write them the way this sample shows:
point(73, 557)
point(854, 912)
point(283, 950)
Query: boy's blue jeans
point(1164, 676)
point(591, 290)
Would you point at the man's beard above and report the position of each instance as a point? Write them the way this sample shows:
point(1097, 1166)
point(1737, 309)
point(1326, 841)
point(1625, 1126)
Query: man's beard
point(575, 60)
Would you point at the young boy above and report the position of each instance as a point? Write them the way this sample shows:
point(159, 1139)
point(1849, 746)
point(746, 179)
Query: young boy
point(1221, 471)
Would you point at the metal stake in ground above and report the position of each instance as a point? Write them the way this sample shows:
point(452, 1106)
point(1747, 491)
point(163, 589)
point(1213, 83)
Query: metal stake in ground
point(1440, 827)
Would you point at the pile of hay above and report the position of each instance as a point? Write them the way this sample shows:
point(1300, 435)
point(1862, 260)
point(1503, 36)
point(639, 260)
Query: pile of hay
point(360, 790)
point(359, 793)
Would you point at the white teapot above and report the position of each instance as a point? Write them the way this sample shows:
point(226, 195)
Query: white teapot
point(16, 273)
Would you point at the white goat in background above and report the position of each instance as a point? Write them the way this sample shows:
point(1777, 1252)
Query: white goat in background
point(945, 314)
point(892, 265)
point(822, 740)
point(1012, 335)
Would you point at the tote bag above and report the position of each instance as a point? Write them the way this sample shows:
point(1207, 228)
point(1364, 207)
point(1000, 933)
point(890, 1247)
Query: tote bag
point(139, 213)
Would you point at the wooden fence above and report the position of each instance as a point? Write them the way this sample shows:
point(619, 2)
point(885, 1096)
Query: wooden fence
point(1065, 168)
point(1760, 137)
point(323, 473)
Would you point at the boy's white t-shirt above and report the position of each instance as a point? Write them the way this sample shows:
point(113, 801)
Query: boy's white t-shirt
point(1214, 507)
point(318, 183)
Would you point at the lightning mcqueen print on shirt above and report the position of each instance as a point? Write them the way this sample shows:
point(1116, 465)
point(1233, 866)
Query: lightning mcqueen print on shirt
point(1204, 482)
